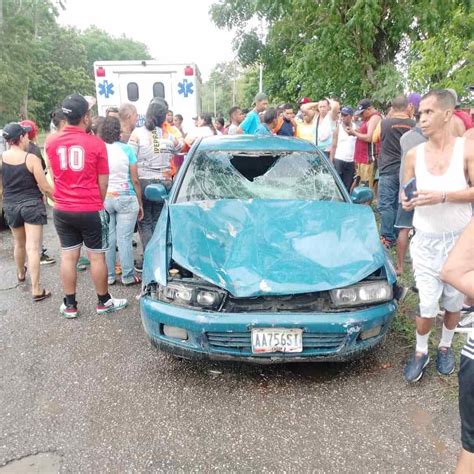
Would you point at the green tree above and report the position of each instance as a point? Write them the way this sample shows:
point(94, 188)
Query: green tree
point(445, 59)
point(41, 62)
point(344, 48)
point(20, 28)
point(100, 46)
point(234, 86)
point(60, 68)
point(222, 81)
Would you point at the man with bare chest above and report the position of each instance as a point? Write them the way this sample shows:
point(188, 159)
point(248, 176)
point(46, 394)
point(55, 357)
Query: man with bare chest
point(443, 167)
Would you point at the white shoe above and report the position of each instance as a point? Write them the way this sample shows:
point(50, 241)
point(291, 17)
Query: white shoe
point(467, 322)
point(112, 305)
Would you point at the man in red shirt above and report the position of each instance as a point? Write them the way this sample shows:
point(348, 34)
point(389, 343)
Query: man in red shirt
point(80, 170)
point(366, 152)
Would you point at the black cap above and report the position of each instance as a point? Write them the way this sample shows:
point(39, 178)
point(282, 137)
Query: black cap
point(364, 104)
point(347, 110)
point(14, 130)
point(74, 106)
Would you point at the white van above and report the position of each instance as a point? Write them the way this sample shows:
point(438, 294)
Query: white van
point(138, 82)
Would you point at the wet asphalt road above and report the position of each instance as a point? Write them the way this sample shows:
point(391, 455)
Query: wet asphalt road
point(93, 392)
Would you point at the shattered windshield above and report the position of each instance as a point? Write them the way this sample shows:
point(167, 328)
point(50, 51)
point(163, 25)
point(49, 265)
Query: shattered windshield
point(269, 175)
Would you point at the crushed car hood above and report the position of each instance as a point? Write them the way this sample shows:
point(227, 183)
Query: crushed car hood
point(275, 247)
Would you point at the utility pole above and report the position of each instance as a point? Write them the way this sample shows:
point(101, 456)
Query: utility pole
point(261, 35)
point(215, 104)
point(234, 85)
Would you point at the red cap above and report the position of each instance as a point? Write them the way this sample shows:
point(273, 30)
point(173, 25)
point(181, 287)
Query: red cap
point(34, 128)
point(304, 100)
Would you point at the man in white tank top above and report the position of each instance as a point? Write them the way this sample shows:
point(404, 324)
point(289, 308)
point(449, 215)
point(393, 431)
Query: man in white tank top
point(442, 167)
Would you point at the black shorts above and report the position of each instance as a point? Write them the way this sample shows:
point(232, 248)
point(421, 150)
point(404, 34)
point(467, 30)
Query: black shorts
point(77, 228)
point(466, 402)
point(31, 212)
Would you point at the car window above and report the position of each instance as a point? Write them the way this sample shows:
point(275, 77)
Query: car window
point(227, 175)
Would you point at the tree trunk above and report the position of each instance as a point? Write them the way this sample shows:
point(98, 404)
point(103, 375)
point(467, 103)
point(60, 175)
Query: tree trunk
point(24, 103)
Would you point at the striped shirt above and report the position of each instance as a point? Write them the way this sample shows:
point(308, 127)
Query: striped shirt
point(468, 349)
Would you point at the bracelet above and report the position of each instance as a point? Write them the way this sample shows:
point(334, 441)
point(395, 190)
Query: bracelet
point(445, 196)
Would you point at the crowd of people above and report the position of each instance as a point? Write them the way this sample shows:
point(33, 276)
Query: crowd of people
point(418, 159)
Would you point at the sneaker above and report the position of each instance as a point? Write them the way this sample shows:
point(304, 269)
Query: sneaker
point(136, 280)
point(445, 362)
point(68, 311)
point(467, 322)
point(416, 367)
point(114, 304)
point(467, 309)
point(138, 266)
point(45, 259)
point(111, 281)
point(82, 264)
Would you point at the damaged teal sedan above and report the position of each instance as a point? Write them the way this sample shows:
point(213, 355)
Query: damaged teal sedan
point(261, 255)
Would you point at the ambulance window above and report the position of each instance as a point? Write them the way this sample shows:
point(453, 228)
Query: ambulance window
point(159, 90)
point(132, 91)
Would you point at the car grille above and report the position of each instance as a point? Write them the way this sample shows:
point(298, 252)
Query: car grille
point(242, 341)
point(300, 303)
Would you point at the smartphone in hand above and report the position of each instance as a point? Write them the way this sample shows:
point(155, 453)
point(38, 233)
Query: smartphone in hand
point(410, 189)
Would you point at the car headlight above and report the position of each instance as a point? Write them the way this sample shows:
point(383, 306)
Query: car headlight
point(362, 294)
point(190, 294)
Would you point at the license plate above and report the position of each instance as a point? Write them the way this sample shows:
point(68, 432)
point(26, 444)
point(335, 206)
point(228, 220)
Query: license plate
point(277, 340)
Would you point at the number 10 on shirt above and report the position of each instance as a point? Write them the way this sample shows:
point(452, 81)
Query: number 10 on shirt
point(71, 158)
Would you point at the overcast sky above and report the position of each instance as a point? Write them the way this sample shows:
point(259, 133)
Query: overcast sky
point(174, 30)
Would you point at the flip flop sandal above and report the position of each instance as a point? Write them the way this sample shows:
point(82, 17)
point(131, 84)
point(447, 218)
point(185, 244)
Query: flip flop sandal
point(136, 281)
point(45, 294)
point(21, 280)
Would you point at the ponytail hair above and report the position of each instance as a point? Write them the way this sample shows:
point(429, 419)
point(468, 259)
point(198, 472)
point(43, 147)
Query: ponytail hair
point(156, 114)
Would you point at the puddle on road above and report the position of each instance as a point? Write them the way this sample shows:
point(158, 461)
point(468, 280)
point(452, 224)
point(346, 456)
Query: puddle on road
point(41, 463)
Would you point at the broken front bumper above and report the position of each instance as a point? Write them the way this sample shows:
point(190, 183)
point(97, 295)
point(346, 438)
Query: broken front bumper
point(227, 336)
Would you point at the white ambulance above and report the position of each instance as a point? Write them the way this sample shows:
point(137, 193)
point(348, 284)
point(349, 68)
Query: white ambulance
point(138, 82)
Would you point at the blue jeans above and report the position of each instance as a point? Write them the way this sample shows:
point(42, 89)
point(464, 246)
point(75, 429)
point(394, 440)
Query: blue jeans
point(151, 212)
point(123, 212)
point(389, 187)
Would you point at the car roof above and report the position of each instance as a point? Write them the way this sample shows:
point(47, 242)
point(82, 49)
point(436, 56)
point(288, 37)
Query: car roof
point(254, 143)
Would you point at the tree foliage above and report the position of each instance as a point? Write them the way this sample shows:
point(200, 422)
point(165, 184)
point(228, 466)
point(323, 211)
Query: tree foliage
point(345, 48)
point(445, 59)
point(41, 62)
point(99, 45)
point(233, 86)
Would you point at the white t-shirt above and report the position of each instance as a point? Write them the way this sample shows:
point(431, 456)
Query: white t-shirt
point(232, 129)
point(153, 152)
point(120, 157)
point(326, 127)
point(345, 145)
point(201, 132)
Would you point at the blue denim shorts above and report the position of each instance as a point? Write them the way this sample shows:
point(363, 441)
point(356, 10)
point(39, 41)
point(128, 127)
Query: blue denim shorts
point(404, 218)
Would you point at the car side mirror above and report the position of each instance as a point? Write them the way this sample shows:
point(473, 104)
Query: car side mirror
point(156, 192)
point(362, 195)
